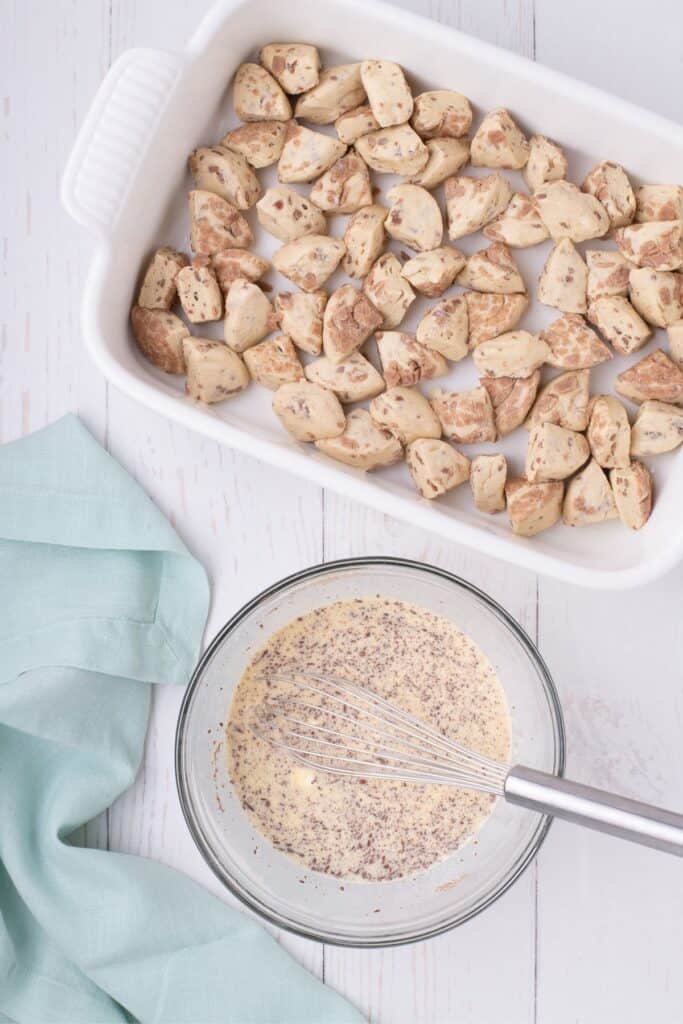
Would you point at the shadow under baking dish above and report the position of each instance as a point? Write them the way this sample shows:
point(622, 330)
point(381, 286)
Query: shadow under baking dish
point(347, 912)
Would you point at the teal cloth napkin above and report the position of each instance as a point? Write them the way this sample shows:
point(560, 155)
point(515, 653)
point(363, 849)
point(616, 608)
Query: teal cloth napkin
point(98, 599)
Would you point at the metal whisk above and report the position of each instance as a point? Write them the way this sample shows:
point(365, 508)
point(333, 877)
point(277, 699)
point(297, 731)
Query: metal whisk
point(338, 727)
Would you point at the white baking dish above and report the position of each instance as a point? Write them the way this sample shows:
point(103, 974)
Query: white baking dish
point(126, 182)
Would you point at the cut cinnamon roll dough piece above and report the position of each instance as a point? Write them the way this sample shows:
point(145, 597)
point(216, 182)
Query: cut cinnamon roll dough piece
point(388, 290)
point(659, 202)
point(588, 498)
point(436, 466)
point(546, 162)
point(339, 89)
point(364, 240)
point(533, 507)
point(228, 174)
point(609, 183)
point(405, 361)
point(199, 292)
point(306, 154)
point(656, 244)
point(488, 474)
point(348, 321)
point(567, 212)
point(258, 97)
point(473, 202)
point(608, 273)
point(215, 224)
point(159, 336)
point(249, 316)
point(229, 264)
point(491, 315)
point(658, 429)
point(310, 260)
point(444, 328)
point(466, 417)
point(573, 344)
point(309, 412)
point(618, 321)
point(406, 413)
point(414, 217)
point(362, 444)
point(632, 489)
point(352, 380)
point(295, 65)
point(354, 123)
point(158, 289)
point(554, 453)
point(287, 215)
point(564, 279)
point(492, 270)
point(397, 150)
point(260, 142)
point(300, 316)
point(345, 187)
point(519, 225)
point(563, 401)
point(442, 112)
point(515, 354)
point(609, 432)
point(446, 157)
point(654, 377)
point(388, 92)
point(657, 295)
point(499, 142)
point(512, 398)
point(274, 362)
point(214, 371)
point(431, 273)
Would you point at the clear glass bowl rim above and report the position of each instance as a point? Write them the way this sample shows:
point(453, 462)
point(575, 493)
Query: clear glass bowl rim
point(321, 569)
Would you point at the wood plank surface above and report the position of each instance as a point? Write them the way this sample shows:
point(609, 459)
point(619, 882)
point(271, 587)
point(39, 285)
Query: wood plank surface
point(592, 933)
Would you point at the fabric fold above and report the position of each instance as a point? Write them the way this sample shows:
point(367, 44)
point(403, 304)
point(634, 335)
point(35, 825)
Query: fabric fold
point(100, 599)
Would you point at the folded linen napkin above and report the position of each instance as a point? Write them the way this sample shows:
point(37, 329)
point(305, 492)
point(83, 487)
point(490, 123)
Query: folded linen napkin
point(99, 598)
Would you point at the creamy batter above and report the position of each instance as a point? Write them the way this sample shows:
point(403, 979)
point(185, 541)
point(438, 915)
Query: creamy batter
point(356, 828)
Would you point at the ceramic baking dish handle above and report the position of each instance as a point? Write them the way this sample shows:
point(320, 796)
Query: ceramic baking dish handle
point(112, 141)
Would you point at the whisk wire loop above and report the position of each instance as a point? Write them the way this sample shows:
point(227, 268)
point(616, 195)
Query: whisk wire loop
point(383, 741)
point(345, 730)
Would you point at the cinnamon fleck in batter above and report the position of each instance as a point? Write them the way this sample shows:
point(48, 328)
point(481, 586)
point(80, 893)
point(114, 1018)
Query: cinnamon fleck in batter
point(369, 829)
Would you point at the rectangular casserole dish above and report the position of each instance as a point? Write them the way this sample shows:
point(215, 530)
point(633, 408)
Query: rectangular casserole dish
point(126, 182)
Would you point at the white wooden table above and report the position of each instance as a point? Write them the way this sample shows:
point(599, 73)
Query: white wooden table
point(593, 932)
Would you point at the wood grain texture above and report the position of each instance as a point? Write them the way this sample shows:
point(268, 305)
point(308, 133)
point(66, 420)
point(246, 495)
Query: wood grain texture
point(610, 914)
point(44, 259)
point(633, 53)
point(448, 979)
point(592, 932)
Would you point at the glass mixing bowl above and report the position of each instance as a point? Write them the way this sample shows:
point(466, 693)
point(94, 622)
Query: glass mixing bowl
point(319, 906)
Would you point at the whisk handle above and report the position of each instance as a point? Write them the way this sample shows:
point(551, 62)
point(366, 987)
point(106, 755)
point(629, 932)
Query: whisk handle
point(595, 808)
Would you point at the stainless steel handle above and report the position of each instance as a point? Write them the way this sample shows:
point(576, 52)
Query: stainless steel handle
point(595, 808)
